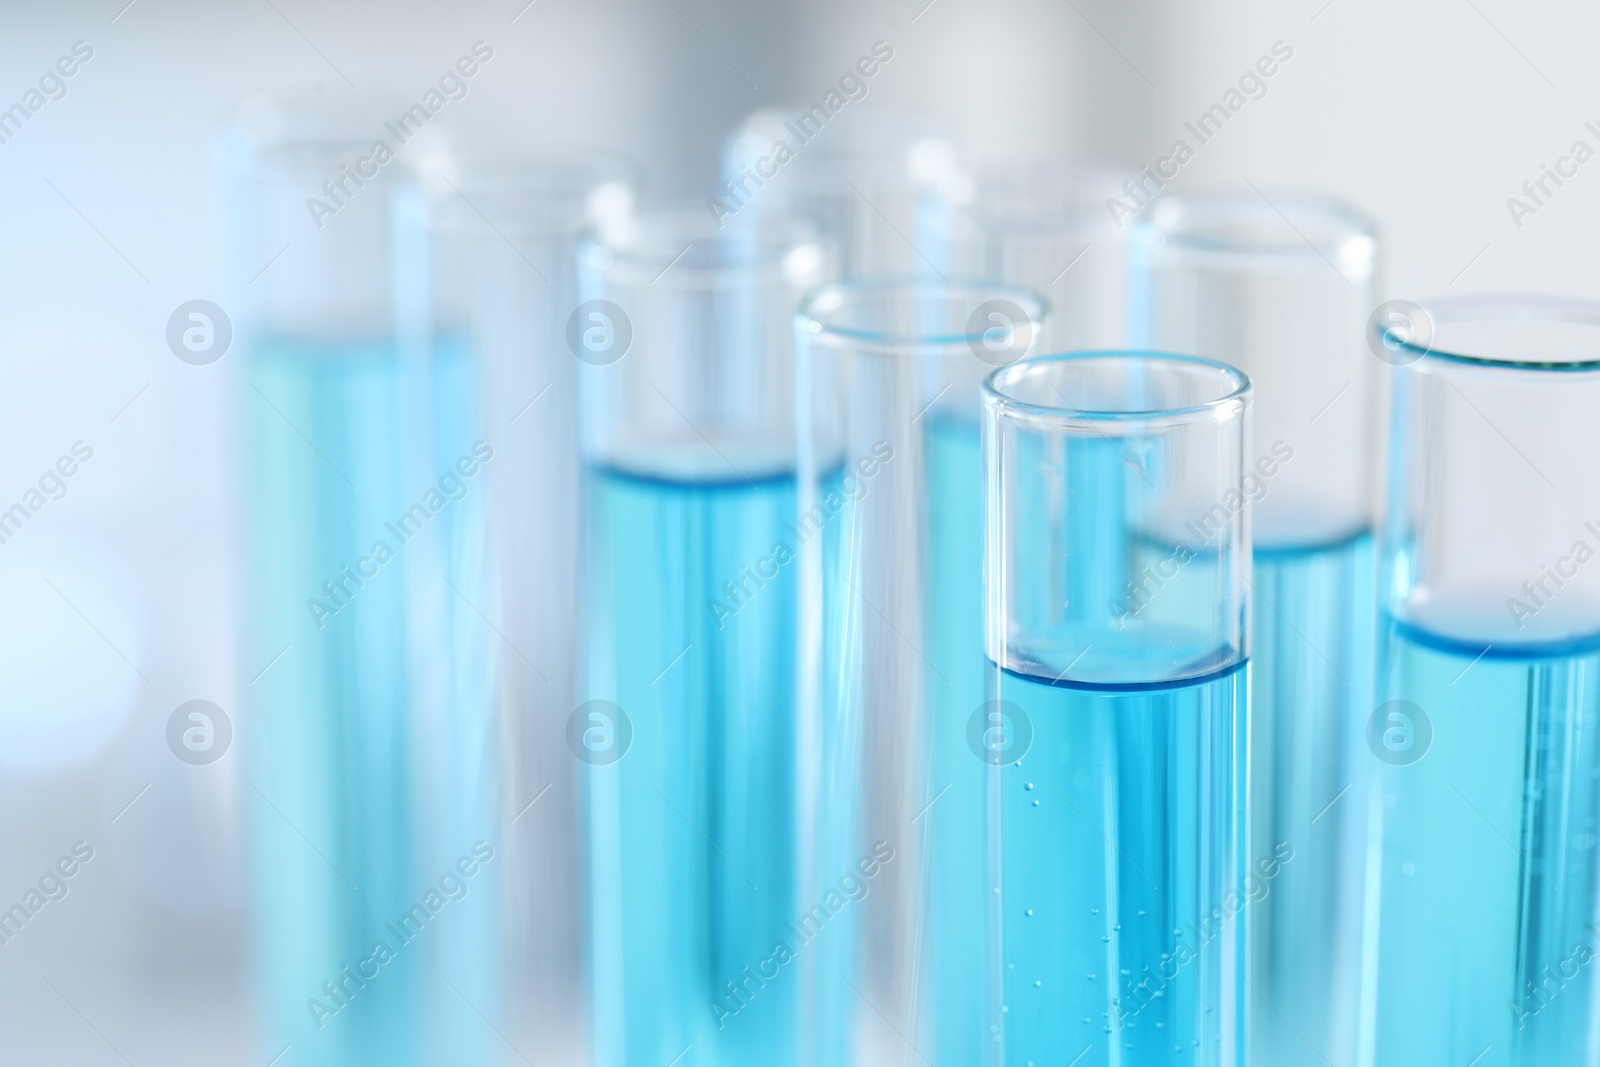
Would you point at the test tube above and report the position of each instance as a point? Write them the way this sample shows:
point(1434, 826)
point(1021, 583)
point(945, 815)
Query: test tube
point(510, 225)
point(884, 185)
point(1117, 741)
point(1282, 288)
point(893, 667)
point(687, 732)
point(1043, 225)
point(1482, 892)
point(372, 736)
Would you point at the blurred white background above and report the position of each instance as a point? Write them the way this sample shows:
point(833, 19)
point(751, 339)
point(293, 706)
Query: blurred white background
point(118, 600)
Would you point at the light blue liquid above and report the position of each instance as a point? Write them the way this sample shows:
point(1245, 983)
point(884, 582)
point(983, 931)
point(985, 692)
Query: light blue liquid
point(1120, 895)
point(691, 833)
point(1118, 837)
point(370, 746)
point(952, 1016)
point(830, 1007)
point(1311, 680)
point(1484, 874)
point(1185, 838)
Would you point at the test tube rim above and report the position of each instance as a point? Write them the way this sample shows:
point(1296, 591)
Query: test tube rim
point(290, 145)
point(626, 260)
point(1008, 406)
point(1497, 308)
point(858, 154)
point(540, 186)
point(813, 322)
point(1178, 222)
point(1039, 200)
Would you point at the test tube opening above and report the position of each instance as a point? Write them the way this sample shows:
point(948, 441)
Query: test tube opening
point(1118, 518)
point(692, 377)
point(1100, 387)
point(1490, 497)
point(1294, 227)
point(897, 312)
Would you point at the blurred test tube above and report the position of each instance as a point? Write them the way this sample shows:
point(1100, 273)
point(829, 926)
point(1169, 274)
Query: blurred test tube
point(372, 735)
point(1043, 225)
point(694, 787)
point(883, 185)
point(891, 484)
point(1281, 286)
point(510, 228)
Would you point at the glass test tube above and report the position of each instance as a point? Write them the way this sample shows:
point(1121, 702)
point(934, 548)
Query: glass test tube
point(1483, 889)
point(511, 226)
point(890, 479)
point(1117, 739)
point(883, 185)
point(688, 729)
point(1044, 226)
point(1283, 290)
point(373, 781)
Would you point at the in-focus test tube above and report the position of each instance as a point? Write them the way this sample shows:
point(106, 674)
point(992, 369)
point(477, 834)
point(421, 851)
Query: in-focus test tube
point(1482, 888)
point(1282, 289)
point(1117, 741)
